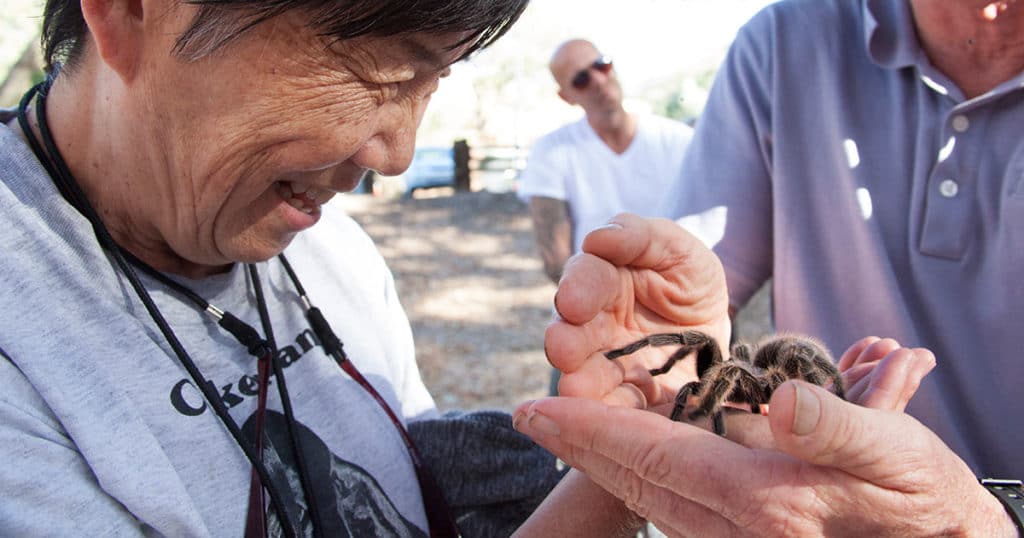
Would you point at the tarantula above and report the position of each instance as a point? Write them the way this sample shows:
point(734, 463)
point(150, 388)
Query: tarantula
point(750, 376)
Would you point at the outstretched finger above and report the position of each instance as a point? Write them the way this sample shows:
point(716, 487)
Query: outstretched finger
point(631, 240)
point(858, 369)
point(853, 352)
point(671, 455)
point(897, 378)
point(673, 274)
point(874, 349)
point(856, 380)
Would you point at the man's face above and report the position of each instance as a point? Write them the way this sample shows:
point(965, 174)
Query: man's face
point(602, 91)
point(241, 148)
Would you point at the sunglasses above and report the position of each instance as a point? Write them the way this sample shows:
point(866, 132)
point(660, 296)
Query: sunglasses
point(582, 78)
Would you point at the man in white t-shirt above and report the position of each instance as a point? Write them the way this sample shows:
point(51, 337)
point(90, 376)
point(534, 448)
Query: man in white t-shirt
point(610, 161)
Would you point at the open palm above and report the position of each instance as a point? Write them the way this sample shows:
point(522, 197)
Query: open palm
point(635, 277)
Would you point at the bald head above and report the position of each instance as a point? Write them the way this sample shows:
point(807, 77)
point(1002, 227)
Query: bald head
point(598, 90)
point(569, 58)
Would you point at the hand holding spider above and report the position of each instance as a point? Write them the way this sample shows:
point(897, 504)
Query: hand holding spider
point(635, 277)
point(834, 468)
point(645, 276)
point(816, 465)
point(661, 468)
point(748, 377)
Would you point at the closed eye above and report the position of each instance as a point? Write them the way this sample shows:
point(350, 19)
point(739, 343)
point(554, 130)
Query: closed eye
point(389, 91)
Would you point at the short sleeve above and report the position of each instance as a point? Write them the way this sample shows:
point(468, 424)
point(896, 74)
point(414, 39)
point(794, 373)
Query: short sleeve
point(546, 170)
point(726, 174)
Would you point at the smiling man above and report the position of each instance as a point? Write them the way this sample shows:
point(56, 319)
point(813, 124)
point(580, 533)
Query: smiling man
point(165, 215)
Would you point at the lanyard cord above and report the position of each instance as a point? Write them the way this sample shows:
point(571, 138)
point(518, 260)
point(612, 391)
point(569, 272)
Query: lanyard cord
point(440, 520)
point(57, 168)
point(262, 349)
point(282, 390)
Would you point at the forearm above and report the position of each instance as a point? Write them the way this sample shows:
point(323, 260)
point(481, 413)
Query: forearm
point(553, 232)
point(579, 507)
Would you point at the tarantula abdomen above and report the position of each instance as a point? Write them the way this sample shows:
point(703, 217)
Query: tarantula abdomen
point(748, 377)
point(787, 356)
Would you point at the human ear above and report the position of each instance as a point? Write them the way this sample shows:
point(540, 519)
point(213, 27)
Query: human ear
point(116, 30)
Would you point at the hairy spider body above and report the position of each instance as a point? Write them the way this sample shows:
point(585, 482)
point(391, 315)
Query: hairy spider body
point(749, 376)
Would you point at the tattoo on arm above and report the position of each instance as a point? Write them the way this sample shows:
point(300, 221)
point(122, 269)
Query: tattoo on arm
point(553, 230)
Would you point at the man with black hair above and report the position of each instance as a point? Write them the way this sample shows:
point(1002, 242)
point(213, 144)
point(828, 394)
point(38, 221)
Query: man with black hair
point(165, 215)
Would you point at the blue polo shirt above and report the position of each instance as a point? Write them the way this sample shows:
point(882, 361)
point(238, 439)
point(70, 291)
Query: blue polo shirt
point(844, 166)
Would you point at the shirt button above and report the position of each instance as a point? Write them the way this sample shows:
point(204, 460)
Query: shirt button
point(961, 123)
point(949, 188)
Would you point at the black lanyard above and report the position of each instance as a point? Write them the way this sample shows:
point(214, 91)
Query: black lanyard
point(440, 520)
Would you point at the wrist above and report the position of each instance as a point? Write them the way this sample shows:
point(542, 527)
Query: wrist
point(1004, 503)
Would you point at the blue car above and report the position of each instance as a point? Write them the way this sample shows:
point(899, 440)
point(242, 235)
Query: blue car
point(432, 166)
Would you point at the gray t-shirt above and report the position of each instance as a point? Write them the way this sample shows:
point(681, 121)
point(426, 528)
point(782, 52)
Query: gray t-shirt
point(103, 432)
point(879, 200)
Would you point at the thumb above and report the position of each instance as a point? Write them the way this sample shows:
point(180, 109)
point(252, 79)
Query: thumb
point(816, 426)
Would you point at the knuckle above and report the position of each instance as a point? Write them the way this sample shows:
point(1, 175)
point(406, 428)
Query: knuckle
point(632, 492)
point(641, 480)
point(654, 463)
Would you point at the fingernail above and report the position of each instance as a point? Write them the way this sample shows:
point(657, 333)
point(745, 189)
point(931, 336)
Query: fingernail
point(633, 396)
point(556, 315)
point(520, 413)
point(609, 226)
point(542, 424)
point(807, 411)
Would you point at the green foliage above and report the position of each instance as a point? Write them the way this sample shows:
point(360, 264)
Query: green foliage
point(673, 107)
point(681, 97)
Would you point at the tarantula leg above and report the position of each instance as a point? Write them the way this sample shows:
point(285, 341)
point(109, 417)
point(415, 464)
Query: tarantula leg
point(689, 341)
point(678, 355)
point(681, 398)
point(654, 340)
point(627, 349)
point(718, 423)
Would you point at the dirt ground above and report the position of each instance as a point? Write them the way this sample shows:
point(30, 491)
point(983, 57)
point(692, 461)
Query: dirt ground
point(471, 282)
